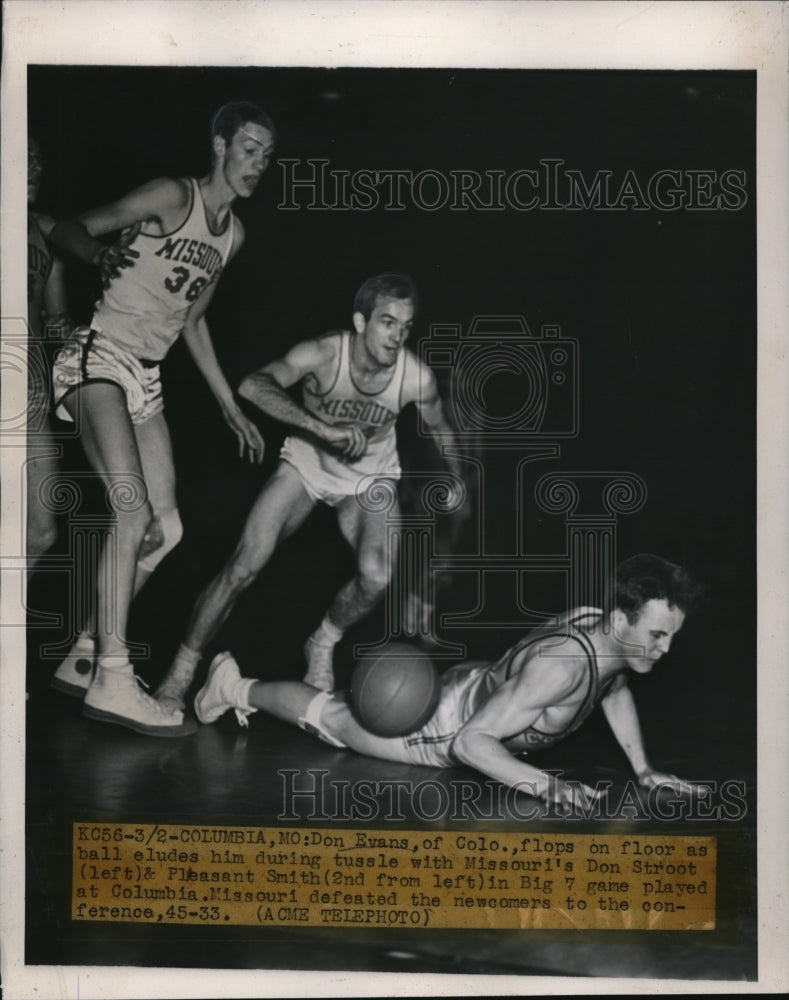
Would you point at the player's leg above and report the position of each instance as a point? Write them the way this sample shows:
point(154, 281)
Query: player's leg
point(110, 445)
point(162, 535)
point(366, 532)
point(41, 464)
point(164, 531)
point(111, 448)
point(281, 508)
point(301, 704)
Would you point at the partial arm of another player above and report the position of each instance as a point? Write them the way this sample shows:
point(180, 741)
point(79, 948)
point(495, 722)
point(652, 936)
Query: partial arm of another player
point(54, 313)
point(267, 389)
point(201, 347)
point(620, 710)
point(422, 389)
point(515, 706)
point(158, 200)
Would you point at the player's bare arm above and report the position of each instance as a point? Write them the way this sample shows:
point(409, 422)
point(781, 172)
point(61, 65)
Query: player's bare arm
point(620, 711)
point(54, 306)
point(541, 685)
point(420, 387)
point(267, 389)
point(158, 206)
point(239, 237)
point(198, 340)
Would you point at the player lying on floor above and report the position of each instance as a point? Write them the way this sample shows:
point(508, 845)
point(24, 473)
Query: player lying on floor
point(490, 714)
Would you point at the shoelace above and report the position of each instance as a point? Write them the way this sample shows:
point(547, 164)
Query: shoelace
point(241, 715)
point(160, 708)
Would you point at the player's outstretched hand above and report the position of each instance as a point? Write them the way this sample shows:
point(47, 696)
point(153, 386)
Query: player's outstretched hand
point(347, 440)
point(652, 778)
point(113, 258)
point(566, 796)
point(250, 443)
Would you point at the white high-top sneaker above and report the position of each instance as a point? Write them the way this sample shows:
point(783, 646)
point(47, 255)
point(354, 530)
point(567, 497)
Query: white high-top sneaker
point(76, 671)
point(225, 688)
point(115, 695)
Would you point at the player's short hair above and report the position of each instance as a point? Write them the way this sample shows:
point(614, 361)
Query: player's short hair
point(391, 285)
point(645, 578)
point(230, 117)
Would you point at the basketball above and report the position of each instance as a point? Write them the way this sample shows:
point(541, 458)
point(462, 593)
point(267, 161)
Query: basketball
point(396, 691)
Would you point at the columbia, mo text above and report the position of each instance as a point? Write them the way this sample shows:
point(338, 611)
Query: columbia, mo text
point(344, 876)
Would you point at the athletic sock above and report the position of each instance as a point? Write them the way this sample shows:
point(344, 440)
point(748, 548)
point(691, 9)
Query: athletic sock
point(327, 633)
point(85, 645)
point(186, 656)
point(179, 677)
point(114, 663)
point(241, 694)
point(183, 669)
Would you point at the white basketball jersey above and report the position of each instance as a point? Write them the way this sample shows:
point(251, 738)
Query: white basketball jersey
point(346, 403)
point(145, 307)
point(326, 476)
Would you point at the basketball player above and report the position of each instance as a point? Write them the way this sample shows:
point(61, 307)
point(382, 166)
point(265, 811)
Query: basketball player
point(159, 276)
point(47, 318)
point(490, 714)
point(342, 443)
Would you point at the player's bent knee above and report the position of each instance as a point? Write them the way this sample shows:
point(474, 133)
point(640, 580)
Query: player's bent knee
point(134, 524)
point(374, 575)
point(163, 534)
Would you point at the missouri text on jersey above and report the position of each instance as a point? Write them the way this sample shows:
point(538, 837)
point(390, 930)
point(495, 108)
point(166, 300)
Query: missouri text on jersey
point(201, 255)
point(360, 410)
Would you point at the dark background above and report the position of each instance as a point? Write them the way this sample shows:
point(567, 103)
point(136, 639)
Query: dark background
point(662, 304)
